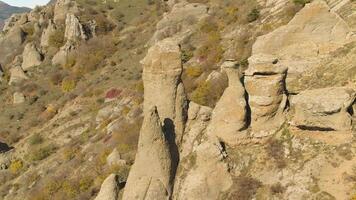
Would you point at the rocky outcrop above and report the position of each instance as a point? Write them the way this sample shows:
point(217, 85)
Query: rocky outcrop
point(109, 189)
point(46, 34)
point(323, 109)
point(162, 69)
point(74, 29)
point(305, 41)
point(62, 8)
point(9, 44)
point(31, 57)
point(62, 55)
point(180, 21)
point(151, 175)
point(17, 75)
point(230, 114)
point(15, 20)
point(267, 98)
point(114, 159)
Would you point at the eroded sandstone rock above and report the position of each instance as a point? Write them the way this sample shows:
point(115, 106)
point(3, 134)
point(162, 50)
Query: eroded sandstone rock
point(51, 28)
point(265, 85)
point(323, 109)
point(151, 175)
point(109, 189)
point(162, 69)
point(74, 29)
point(62, 8)
point(61, 56)
point(230, 114)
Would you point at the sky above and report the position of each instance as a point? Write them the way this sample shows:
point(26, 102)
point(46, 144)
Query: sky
point(26, 3)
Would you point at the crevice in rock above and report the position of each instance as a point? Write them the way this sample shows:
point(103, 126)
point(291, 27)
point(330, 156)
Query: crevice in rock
point(314, 128)
point(248, 108)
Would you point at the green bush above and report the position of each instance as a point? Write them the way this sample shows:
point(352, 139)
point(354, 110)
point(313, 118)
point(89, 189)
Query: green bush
point(36, 139)
point(253, 15)
point(57, 38)
point(68, 85)
point(16, 166)
point(41, 153)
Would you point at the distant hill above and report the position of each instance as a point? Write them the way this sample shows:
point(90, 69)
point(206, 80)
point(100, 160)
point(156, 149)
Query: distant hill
point(6, 11)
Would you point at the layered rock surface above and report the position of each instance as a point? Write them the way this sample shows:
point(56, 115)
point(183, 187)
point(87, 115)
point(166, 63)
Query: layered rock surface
point(30, 57)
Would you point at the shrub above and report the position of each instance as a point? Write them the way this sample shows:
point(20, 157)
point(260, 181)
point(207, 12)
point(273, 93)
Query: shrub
point(36, 139)
point(186, 55)
point(301, 2)
point(68, 85)
point(16, 166)
point(253, 15)
point(57, 38)
point(246, 188)
point(193, 71)
point(201, 94)
point(275, 149)
point(41, 153)
point(113, 93)
point(85, 183)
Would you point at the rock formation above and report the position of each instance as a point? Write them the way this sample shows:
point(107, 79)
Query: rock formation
point(162, 69)
point(62, 8)
point(154, 182)
point(109, 189)
point(62, 55)
point(323, 109)
point(74, 30)
point(51, 28)
point(18, 98)
point(30, 57)
point(311, 35)
point(230, 114)
point(10, 42)
point(267, 98)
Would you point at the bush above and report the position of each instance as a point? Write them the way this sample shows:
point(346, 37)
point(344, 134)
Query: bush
point(16, 166)
point(301, 2)
point(193, 71)
point(112, 93)
point(246, 188)
point(68, 85)
point(253, 15)
point(41, 153)
point(36, 139)
point(275, 149)
point(57, 38)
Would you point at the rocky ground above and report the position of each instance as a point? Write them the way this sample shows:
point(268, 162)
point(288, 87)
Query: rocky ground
point(193, 99)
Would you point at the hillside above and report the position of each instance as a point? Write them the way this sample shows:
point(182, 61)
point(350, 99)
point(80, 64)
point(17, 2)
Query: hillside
point(6, 11)
point(179, 99)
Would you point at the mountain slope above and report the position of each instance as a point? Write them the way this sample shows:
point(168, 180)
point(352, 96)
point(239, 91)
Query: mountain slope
point(6, 11)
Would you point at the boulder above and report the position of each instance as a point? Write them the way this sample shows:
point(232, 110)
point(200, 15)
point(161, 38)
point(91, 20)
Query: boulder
point(323, 109)
point(10, 43)
point(15, 20)
point(114, 159)
point(162, 69)
point(109, 189)
point(74, 29)
point(62, 55)
point(229, 117)
point(31, 57)
point(267, 98)
point(18, 98)
point(151, 175)
point(17, 75)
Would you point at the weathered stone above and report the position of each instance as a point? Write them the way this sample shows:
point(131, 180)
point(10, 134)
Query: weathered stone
point(230, 114)
point(62, 55)
point(114, 159)
point(304, 42)
point(323, 109)
point(162, 69)
point(74, 29)
point(31, 57)
point(15, 20)
point(62, 8)
point(18, 98)
point(265, 85)
point(17, 75)
point(109, 189)
point(10, 43)
point(154, 182)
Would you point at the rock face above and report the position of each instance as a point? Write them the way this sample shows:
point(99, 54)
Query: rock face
point(153, 150)
point(15, 20)
point(162, 69)
point(323, 109)
point(114, 159)
point(265, 85)
point(109, 189)
point(74, 30)
point(10, 42)
point(61, 56)
point(17, 75)
point(230, 114)
point(31, 57)
point(312, 34)
point(47, 34)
